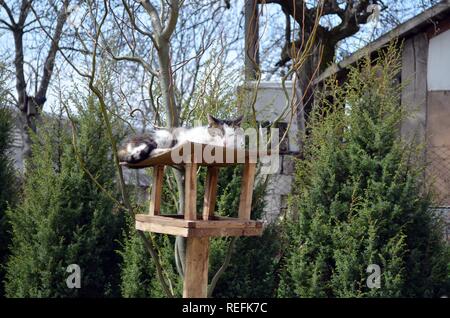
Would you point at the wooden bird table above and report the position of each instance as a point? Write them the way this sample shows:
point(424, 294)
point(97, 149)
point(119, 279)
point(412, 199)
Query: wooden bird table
point(199, 228)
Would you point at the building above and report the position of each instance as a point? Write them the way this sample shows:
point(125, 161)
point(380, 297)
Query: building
point(424, 42)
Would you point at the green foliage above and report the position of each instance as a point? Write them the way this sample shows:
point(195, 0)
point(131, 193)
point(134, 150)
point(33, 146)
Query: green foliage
point(63, 217)
point(8, 185)
point(360, 199)
point(138, 273)
point(254, 260)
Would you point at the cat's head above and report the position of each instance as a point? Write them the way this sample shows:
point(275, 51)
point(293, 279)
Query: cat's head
point(228, 130)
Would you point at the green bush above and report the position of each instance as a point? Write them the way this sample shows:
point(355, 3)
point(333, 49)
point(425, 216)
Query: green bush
point(63, 218)
point(360, 198)
point(8, 185)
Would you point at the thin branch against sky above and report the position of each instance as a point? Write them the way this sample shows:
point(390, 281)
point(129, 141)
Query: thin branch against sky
point(188, 41)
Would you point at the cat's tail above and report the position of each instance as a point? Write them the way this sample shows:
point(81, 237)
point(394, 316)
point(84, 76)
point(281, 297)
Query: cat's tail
point(136, 152)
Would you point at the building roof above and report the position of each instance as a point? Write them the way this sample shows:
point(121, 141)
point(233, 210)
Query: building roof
point(430, 17)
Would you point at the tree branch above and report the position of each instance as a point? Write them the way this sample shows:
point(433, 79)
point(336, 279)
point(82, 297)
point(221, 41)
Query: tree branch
point(173, 17)
point(222, 268)
point(8, 12)
point(154, 17)
point(49, 63)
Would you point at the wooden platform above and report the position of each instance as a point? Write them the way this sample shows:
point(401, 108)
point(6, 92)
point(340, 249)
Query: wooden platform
point(215, 227)
point(201, 154)
point(199, 227)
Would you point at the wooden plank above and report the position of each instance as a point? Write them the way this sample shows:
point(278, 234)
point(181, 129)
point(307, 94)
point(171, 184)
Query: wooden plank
point(196, 272)
point(190, 189)
point(209, 201)
point(227, 218)
point(220, 158)
point(414, 92)
point(161, 228)
point(164, 220)
point(221, 232)
point(234, 223)
point(248, 179)
point(217, 222)
point(155, 199)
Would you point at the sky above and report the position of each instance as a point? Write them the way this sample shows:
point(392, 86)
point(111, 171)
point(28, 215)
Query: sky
point(271, 34)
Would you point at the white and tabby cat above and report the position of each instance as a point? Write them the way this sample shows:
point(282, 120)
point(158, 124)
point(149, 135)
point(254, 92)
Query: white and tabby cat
point(218, 132)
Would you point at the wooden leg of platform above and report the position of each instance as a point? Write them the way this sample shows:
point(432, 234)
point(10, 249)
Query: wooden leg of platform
point(209, 201)
point(190, 189)
point(248, 179)
point(196, 272)
point(155, 199)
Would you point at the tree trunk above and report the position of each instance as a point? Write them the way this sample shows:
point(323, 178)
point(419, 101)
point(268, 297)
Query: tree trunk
point(318, 60)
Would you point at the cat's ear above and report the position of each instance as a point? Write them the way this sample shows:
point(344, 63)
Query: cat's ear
point(238, 121)
point(213, 121)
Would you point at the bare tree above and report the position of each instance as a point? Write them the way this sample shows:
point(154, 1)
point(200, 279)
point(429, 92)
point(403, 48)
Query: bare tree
point(339, 20)
point(19, 21)
point(135, 38)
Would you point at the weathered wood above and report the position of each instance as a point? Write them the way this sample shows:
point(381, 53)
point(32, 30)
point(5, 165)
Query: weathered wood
point(165, 220)
point(222, 232)
point(196, 272)
point(414, 93)
point(166, 157)
point(155, 200)
point(221, 226)
point(209, 201)
point(162, 228)
point(200, 231)
point(248, 179)
point(231, 223)
point(190, 189)
point(215, 222)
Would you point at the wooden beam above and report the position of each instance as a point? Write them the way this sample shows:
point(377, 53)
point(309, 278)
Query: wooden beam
point(155, 199)
point(161, 228)
point(216, 222)
point(190, 191)
point(196, 272)
point(209, 201)
point(164, 220)
point(248, 179)
point(223, 232)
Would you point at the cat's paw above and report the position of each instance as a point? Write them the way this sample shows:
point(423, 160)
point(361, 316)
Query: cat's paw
point(136, 152)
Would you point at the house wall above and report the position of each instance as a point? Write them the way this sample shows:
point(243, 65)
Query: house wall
point(270, 103)
point(414, 93)
point(438, 116)
point(426, 94)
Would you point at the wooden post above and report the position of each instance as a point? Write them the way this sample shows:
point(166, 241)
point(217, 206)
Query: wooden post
point(155, 200)
point(190, 191)
point(197, 248)
point(209, 201)
point(196, 272)
point(248, 179)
